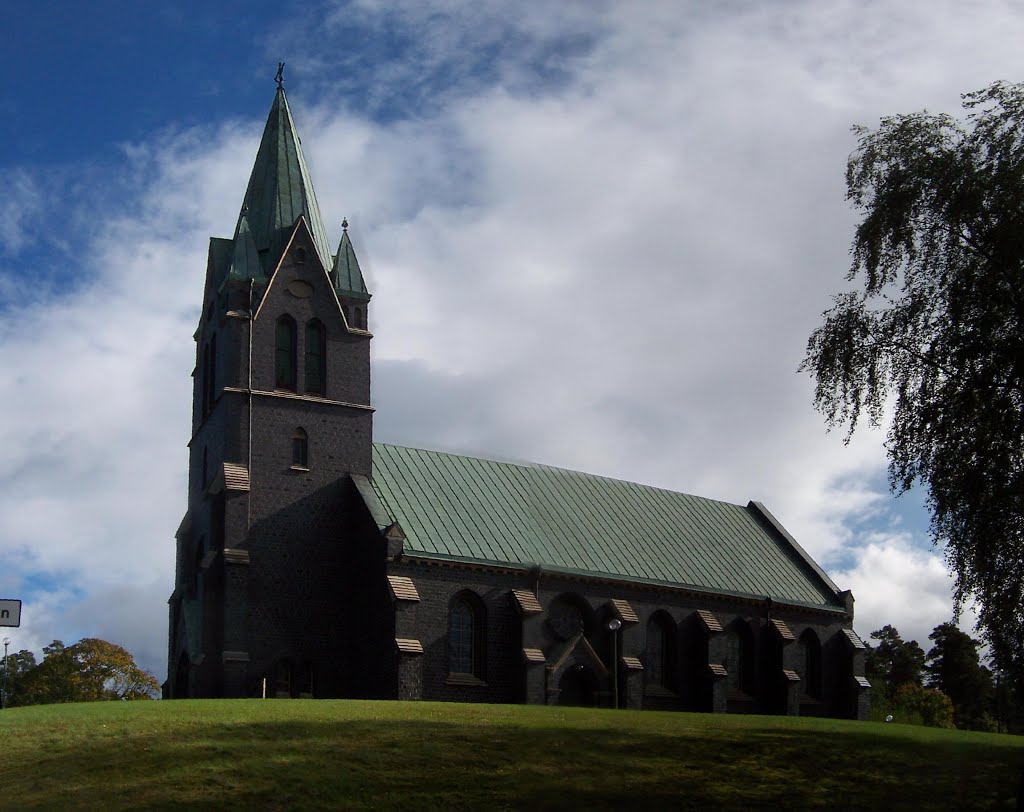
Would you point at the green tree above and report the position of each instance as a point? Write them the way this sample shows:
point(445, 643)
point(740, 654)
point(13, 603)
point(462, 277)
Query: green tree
point(894, 662)
point(13, 671)
point(954, 668)
point(90, 670)
point(933, 337)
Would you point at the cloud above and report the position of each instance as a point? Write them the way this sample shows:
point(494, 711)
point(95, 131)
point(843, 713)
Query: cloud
point(597, 235)
point(897, 582)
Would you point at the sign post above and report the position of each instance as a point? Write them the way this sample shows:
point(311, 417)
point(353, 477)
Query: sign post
point(3, 691)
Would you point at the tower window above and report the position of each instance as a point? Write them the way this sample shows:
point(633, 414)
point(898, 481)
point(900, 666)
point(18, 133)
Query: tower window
point(316, 352)
point(300, 449)
point(284, 358)
point(300, 256)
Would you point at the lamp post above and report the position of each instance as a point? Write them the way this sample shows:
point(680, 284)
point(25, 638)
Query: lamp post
point(613, 626)
point(3, 691)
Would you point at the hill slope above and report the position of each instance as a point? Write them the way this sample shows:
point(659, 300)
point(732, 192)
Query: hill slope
point(361, 755)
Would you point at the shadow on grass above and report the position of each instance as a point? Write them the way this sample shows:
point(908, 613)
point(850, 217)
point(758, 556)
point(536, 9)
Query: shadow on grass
point(316, 764)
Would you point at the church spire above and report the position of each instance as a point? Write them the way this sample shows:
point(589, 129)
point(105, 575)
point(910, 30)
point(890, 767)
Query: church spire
point(280, 191)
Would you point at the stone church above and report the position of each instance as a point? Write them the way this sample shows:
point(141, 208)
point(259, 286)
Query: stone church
point(313, 562)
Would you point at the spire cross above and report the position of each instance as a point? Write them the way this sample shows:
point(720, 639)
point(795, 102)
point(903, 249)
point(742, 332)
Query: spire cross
point(280, 74)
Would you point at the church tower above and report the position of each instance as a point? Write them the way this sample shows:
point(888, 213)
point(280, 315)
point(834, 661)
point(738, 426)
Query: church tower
point(281, 420)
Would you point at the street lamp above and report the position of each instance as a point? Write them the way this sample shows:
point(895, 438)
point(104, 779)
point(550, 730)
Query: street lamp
point(3, 691)
point(613, 626)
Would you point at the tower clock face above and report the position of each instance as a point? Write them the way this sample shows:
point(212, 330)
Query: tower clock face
point(566, 620)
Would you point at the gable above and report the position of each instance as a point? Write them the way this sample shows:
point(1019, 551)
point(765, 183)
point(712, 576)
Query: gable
point(300, 283)
point(477, 510)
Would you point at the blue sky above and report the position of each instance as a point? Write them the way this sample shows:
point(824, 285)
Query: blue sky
point(597, 234)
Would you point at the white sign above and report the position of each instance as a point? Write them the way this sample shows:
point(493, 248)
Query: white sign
point(10, 613)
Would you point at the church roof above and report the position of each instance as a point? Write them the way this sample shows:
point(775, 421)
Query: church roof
point(477, 510)
point(279, 191)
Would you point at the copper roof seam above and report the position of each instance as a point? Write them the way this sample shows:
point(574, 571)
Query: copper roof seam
point(422, 503)
point(500, 519)
point(568, 494)
point(495, 540)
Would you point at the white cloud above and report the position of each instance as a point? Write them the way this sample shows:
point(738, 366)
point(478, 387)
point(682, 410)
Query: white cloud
point(897, 582)
point(602, 248)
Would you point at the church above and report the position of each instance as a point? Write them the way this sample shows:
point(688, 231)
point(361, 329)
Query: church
point(313, 562)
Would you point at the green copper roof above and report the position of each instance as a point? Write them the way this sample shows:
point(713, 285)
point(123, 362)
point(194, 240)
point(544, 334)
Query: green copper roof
point(348, 279)
point(467, 508)
point(280, 191)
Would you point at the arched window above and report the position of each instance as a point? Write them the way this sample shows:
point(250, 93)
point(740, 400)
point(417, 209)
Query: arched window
point(739, 659)
point(204, 377)
point(300, 256)
point(809, 663)
point(283, 679)
point(284, 358)
point(197, 568)
point(466, 635)
point(306, 681)
point(358, 320)
point(659, 660)
point(300, 449)
point(316, 356)
point(213, 373)
point(181, 675)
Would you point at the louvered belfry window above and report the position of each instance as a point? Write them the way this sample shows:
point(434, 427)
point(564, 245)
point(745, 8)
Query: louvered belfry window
point(315, 358)
point(284, 359)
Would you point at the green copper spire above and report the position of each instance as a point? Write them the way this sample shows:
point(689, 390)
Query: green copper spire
point(280, 191)
point(348, 279)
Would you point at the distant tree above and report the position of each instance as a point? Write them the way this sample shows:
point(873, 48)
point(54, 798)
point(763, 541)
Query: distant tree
point(935, 332)
point(893, 662)
point(90, 670)
point(954, 668)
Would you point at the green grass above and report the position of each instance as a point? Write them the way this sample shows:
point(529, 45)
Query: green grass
point(379, 755)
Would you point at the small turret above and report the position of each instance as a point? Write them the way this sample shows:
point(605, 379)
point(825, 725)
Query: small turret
point(348, 282)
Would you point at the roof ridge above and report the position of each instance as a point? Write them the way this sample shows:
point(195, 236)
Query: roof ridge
point(530, 464)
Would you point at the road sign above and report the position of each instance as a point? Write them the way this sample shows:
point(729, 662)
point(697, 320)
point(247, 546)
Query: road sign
point(10, 613)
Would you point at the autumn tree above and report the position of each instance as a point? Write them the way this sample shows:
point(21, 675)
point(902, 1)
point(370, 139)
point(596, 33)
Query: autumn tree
point(87, 671)
point(931, 338)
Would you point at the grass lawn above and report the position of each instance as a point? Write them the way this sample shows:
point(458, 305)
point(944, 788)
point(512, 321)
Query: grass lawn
point(281, 754)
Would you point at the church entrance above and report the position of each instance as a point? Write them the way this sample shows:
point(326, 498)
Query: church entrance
point(578, 686)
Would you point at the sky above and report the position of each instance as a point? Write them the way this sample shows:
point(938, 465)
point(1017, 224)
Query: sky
point(598, 236)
